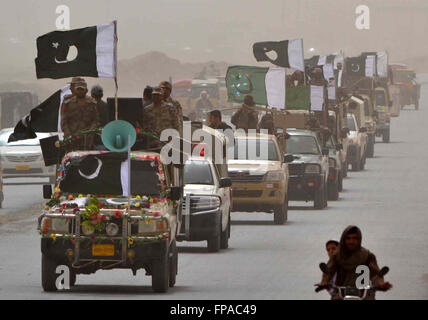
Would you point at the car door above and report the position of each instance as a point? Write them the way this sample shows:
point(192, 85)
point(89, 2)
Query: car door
point(224, 194)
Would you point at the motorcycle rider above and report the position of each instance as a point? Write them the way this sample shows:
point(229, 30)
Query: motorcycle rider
point(348, 257)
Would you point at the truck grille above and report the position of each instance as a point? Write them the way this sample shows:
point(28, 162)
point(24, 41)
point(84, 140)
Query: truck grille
point(23, 158)
point(247, 193)
point(296, 169)
point(245, 177)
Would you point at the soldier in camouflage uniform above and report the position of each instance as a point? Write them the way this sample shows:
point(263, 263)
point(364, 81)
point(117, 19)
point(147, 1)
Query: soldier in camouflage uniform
point(79, 113)
point(246, 118)
point(267, 123)
point(167, 88)
point(159, 116)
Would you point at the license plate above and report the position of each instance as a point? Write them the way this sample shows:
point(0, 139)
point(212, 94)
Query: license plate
point(103, 250)
point(22, 168)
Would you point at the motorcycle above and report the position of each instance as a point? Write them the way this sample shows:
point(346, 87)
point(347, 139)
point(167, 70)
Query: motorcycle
point(352, 293)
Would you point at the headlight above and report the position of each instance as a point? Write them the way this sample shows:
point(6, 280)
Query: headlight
point(88, 229)
point(204, 203)
point(331, 163)
point(274, 176)
point(56, 225)
point(312, 168)
point(112, 229)
point(152, 226)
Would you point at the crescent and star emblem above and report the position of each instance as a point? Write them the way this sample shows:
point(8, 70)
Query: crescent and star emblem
point(95, 173)
point(355, 67)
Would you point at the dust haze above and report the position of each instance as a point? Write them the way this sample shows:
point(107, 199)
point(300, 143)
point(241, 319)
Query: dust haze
point(197, 31)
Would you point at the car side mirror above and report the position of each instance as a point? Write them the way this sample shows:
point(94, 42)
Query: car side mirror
point(339, 147)
point(363, 129)
point(288, 158)
point(325, 151)
point(225, 182)
point(175, 193)
point(47, 191)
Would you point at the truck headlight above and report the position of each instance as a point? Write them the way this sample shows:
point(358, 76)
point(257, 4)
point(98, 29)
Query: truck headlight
point(312, 168)
point(112, 229)
point(203, 203)
point(331, 163)
point(274, 176)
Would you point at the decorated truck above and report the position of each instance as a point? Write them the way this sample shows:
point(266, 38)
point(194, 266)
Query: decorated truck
point(405, 79)
point(112, 210)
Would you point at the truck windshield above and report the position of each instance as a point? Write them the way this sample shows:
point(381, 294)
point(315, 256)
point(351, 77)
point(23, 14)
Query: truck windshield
point(302, 145)
point(101, 174)
point(250, 150)
point(351, 124)
point(211, 90)
point(198, 172)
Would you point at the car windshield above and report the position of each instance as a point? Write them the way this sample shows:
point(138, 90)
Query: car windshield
point(4, 136)
point(198, 172)
point(249, 149)
point(107, 174)
point(302, 145)
point(351, 124)
point(211, 90)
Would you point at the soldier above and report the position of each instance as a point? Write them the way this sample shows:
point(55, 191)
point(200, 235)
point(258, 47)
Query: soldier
point(159, 116)
point(215, 121)
point(72, 84)
point(147, 96)
point(167, 89)
point(246, 118)
point(97, 93)
point(79, 113)
point(267, 123)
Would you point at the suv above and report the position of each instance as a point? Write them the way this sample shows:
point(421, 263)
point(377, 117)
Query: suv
point(207, 201)
point(309, 169)
point(357, 144)
point(335, 172)
point(88, 224)
point(259, 184)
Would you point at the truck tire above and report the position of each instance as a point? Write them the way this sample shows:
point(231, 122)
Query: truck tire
point(48, 273)
point(333, 191)
point(160, 274)
point(173, 263)
point(325, 195)
point(370, 147)
point(319, 200)
point(345, 169)
point(214, 243)
point(280, 213)
point(363, 163)
point(225, 235)
point(385, 136)
point(356, 165)
point(340, 182)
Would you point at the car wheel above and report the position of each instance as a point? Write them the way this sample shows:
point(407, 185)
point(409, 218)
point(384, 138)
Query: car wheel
point(280, 213)
point(370, 147)
point(333, 191)
point(319, 198)
point(49, 276)
point(214, 243)
point(325, 195)
point(356, 165)
point(160, 274)
point(340, 182)
point(345, 169)
point(225, 235)
point(173, 264)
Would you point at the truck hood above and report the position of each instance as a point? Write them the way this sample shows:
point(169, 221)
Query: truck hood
point(199, 189)
point(307, 158)
point(259, 166)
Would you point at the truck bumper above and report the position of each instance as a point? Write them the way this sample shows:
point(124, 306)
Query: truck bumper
point(304, 187)
point(203, 226)
point(262, 197)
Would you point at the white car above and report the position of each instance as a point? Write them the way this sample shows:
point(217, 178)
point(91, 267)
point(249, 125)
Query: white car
point(24, 158)
point(207, 199)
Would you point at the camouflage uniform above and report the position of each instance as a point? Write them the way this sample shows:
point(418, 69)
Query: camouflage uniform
point(178, 112)
point(245, 118)
point(267, 123)
point(76, 118)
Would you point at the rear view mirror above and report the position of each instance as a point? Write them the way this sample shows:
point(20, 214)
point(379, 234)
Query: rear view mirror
point(325, 151)
point(225, 182)
point(47, 191)
point(288, 158)
point(175, 193)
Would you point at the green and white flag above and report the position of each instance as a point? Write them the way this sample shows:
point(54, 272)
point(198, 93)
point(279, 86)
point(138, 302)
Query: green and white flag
point(266, 85)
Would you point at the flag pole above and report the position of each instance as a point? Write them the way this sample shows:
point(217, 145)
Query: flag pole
point(116, 102)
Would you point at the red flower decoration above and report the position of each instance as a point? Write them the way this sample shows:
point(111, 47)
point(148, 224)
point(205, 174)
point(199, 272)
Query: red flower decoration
point(156, 214)
point(137, 130)
point(45, 230)
point(100, 204)
point(117, 214)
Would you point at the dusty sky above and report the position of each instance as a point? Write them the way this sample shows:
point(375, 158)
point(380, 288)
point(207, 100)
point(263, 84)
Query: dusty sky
point(222, 30)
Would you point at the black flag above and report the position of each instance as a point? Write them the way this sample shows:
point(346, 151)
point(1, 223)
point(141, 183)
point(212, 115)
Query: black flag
point(289, 53)
point(356, 66)
point(96, 53)
point(43, 118)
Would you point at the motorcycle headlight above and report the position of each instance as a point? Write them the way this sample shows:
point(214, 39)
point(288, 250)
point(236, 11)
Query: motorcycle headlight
point(312, 168)
point(331, 163)
point(274, 176)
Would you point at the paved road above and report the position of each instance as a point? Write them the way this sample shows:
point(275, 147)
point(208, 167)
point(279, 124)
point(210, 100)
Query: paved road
point(388, 201)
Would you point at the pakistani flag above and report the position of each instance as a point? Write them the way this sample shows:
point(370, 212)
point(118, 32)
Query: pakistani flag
point(266, 85)
point(286, 54)
point(43, 118)
point(96, 53)
point(356, 66)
